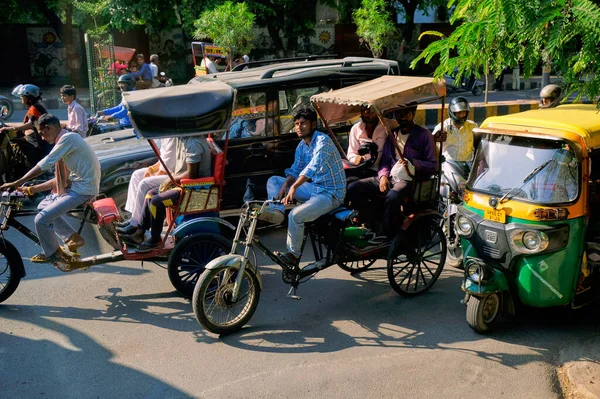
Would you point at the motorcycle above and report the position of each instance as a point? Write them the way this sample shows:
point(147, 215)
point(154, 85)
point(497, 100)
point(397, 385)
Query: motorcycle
point(6, 108)
point(472, 85)
point(97, 125)
point(451, 194)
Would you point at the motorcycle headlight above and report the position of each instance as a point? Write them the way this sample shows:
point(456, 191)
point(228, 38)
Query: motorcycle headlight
point(464, 225)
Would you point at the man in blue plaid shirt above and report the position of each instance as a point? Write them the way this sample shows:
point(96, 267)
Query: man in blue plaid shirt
point(316, 179)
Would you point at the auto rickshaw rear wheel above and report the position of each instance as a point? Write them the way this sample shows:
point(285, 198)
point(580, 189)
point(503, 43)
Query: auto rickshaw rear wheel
point(483, 312)
point(190, 256)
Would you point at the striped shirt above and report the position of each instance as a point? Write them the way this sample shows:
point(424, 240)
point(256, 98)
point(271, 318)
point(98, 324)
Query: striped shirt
point(321, 162)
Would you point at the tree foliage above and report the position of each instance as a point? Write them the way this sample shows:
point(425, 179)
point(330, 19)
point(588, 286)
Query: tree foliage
point(229, 25)
point(493, 34)
point(373, 25)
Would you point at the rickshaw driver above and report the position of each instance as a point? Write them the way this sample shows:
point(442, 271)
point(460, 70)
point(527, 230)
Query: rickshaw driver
point(316, 178)
point(76, 163)
point(193, 161)
point(395, 174)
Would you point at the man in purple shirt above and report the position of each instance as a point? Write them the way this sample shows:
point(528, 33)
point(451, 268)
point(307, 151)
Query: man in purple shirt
point(395, 175)
point(144, 73)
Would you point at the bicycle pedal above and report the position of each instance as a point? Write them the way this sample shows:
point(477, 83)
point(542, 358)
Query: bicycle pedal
point(292, 294)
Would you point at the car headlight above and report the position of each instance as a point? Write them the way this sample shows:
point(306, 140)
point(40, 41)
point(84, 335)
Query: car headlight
point(464, 225)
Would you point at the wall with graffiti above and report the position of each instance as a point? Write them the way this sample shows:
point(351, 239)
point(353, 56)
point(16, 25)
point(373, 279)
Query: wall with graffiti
point(47, 56)
point(175, 58)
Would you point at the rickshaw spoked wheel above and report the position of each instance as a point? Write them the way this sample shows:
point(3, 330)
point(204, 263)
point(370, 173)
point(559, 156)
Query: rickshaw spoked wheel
point(212, 301)
point(11, 269)
point(483, 312)
point(190, 256)
point(417, 256)
point(357, 266)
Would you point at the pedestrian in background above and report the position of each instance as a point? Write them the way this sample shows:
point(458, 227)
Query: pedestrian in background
point(76, 116)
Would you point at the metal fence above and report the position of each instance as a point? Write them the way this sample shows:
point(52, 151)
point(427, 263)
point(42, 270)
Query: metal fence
point(102, 74)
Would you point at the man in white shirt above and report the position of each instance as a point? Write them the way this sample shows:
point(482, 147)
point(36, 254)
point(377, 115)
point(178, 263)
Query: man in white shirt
point(77, 118)
point(457, 131)
point(209, 63)
point(145, 179)
point(154, 69)
point(77, 179)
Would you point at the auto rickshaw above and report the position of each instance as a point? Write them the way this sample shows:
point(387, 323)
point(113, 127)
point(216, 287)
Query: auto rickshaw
point(529, 222)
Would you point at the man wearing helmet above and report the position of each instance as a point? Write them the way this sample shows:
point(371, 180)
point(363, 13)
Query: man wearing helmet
point(25, 138)
point(457, 134)
point(126, 82)
point(550, 96)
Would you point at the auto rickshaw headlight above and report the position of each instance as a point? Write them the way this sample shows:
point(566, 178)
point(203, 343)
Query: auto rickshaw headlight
point(477, 271)
point(464, 225)
point(530, 241)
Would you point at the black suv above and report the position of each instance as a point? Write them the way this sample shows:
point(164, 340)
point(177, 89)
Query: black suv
point(262, 140)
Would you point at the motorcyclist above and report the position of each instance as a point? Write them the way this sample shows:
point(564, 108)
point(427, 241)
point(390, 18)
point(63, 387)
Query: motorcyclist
point(126, 82)
point(457, 134)
point(24, 138)
point(550, 96)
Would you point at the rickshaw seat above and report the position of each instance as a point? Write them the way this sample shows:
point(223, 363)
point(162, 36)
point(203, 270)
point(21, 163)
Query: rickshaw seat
point(342, 213)
point(203, 194)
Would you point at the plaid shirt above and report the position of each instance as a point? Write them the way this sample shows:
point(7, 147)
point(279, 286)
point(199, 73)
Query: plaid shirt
point(320, 161)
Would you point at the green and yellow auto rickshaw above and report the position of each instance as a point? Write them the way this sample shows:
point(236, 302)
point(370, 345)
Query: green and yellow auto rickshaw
point(529, 224)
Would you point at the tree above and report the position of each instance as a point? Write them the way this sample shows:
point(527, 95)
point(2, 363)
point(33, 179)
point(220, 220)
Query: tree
point(373, 25)
point(493, 34)
point(230, 26)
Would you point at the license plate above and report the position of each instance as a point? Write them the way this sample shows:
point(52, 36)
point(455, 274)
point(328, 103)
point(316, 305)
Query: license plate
point(495, 215)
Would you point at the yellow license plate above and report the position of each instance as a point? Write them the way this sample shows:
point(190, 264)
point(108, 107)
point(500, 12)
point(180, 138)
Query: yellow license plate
point(495, 215)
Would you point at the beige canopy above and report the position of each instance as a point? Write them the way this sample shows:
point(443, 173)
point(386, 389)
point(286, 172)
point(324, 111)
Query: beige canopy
point(384, 93)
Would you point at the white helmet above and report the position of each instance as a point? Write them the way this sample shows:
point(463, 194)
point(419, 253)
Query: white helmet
point(26, 90)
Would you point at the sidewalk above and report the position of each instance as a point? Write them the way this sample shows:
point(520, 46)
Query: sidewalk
point(579, 369)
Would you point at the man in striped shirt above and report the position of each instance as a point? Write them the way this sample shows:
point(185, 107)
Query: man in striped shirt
point(316, 179)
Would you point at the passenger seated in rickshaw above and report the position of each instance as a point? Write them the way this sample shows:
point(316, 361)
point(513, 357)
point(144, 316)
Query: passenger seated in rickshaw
point(193, 161)
point(396, 173)
point(145, 179)
point(367, 134)
point(316, 178)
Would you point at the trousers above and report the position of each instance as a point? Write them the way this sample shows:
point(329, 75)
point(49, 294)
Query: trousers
point(136, 193)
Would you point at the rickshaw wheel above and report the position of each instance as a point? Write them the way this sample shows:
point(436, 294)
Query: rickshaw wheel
point(212, 302)
point(189, 258)
point(10, 270)
point(483, 312)
point(119, 195)
point(357, 266)
point(416, 258)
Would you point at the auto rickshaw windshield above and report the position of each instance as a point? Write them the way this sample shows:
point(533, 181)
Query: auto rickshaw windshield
point(526, 169)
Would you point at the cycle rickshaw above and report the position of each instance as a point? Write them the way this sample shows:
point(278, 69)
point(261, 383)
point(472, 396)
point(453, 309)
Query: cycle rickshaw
point(228, 291)
point(194, 234)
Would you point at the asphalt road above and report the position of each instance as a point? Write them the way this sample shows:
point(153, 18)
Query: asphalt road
point(120, 330)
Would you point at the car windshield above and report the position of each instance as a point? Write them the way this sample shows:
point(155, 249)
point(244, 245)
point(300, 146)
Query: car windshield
point(527, 169)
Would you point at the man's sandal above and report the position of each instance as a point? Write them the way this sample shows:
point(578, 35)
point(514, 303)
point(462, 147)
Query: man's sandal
point(148, 246)
point(287, 260)
point(75, 242)
point(58, 257)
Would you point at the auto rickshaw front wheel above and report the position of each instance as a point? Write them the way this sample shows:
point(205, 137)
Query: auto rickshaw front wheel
point(483, 312)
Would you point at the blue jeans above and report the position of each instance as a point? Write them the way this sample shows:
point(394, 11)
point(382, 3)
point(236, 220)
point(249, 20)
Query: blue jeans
point(313, 206)
point(51, 219)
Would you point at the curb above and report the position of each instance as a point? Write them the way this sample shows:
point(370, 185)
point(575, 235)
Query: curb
point(579, 371)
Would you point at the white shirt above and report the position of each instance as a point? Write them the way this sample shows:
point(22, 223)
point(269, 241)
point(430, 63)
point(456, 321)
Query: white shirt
point(77, 119)
point(459, 144)
point(168, 153)
point(209, 65)
point(358, 136)
point(154, 69)
point(80, 160)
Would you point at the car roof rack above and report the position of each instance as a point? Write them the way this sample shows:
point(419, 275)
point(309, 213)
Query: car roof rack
point(255, 64)
point(344, 63)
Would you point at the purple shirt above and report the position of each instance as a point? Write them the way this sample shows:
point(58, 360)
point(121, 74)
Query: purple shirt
point(419, 150)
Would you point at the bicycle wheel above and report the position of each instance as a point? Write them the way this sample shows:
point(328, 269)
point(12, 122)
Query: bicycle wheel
point(190, 256)
point(417, 258)
point(11, 269)
point(212, 301)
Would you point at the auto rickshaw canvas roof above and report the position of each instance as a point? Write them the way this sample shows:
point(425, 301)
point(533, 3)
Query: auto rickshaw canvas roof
point(187, 110)
point(578, 123)
point(384, 93)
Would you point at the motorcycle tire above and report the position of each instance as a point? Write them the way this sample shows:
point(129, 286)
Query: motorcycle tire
point(11, 270)
point(477, 90)
point(214, 290)
point(190, 256)
point(5, 102)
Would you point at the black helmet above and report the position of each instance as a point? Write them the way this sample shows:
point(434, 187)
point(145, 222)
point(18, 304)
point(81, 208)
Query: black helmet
point(550, 92)
point(129, 81)
point(459, 104)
